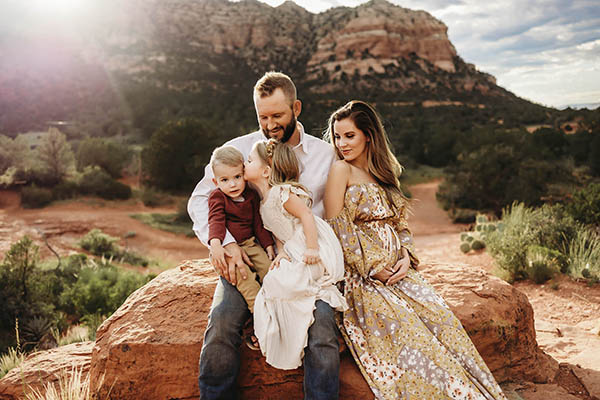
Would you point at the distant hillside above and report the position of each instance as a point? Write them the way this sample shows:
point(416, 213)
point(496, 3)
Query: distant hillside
point(137, 63)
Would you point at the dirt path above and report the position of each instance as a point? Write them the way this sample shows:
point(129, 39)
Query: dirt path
point(64, 224)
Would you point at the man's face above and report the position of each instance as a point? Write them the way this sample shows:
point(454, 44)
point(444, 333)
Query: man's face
point(275, 116)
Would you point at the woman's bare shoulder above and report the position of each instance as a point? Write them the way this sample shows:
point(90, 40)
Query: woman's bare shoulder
point(340, 169)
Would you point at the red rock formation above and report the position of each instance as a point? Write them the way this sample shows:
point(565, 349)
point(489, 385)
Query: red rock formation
point(44, 367)
point(149, 348)
point(379, 34)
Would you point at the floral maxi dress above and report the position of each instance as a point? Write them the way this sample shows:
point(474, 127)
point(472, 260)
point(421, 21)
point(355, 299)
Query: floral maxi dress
point(404, 338)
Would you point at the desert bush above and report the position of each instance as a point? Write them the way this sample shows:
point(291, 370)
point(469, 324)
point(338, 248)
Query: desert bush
point(585, 205)
point(95, 181)
point(100, 290)
point(9, 360)
point(93, 322)
point(99, 243)
point(547, 237)
point(74, 334)
point(152, 197)
point(74, 385)
point(35, 197)
point(542, 263)
point(66, 189)
point(509, 248)
point(104, 245)
point(584, 254)
point(108, 155)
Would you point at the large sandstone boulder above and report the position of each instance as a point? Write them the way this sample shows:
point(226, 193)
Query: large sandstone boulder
point(45, 367)
point(149, 348)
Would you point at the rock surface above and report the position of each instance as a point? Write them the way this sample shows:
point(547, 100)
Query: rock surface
point(44, 367)
point(149, 348)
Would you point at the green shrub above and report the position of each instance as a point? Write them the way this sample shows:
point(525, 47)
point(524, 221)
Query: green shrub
point(95, 181)
point(584, 254)
point(115, 190)
point(154, 198)
point(11, 359)
point(66, 189)
point(112, 157)
point(99, 243)
point(547, 235)
point(539, 272)
point(509, 247)
point(93, 322)
point(585, 205)
point(35, 197)
point(100, 290)
point(462, 215)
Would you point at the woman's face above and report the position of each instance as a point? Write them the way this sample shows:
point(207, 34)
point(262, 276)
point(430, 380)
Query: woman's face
point(350, 141)
point(254, 167)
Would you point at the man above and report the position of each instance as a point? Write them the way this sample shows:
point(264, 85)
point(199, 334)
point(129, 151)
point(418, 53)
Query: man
point(277, 110)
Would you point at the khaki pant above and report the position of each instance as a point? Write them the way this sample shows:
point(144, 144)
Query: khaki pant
point(249, 287)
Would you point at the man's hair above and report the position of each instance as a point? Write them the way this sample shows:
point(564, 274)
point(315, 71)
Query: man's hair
point(271, 81)
point(226, 155)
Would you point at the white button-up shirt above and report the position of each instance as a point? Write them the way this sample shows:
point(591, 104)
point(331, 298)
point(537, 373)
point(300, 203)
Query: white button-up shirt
point(315, 157)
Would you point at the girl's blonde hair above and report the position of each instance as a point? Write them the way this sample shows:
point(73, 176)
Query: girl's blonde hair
point(285, 168)
point(382, 163)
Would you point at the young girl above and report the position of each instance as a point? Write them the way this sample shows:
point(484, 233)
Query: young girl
point(403, 336)
point(309, 260)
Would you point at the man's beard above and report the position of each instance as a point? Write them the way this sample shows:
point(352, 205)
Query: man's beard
point(288, 131)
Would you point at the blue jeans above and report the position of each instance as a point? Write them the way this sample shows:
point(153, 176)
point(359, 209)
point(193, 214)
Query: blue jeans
point(220, 356)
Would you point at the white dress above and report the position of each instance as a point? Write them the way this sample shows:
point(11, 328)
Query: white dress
point(283, 309)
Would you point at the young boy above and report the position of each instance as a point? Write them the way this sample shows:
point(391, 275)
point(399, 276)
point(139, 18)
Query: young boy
point(234, 207)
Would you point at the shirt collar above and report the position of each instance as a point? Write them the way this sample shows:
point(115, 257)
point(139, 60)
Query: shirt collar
point(302, 144)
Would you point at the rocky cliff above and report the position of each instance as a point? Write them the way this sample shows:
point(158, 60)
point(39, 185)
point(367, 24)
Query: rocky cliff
point(203, 48)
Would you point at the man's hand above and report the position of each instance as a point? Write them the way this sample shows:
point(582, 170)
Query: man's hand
point(235, 257)
point(217, 255)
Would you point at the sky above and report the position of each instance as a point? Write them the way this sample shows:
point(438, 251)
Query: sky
point(546, 51)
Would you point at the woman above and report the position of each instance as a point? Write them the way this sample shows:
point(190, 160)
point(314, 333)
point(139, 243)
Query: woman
point(404, 338)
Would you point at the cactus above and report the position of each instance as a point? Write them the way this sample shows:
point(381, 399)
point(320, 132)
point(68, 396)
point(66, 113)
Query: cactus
point(478, 245)
point(465, 247)
point(475, 240)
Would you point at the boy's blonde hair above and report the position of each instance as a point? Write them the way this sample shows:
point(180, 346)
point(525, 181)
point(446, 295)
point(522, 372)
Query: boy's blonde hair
point(226, 155)
point(285, 168)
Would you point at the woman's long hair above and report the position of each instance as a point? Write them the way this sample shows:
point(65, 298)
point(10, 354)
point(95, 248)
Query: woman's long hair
point(285, 168)
point(382, 163)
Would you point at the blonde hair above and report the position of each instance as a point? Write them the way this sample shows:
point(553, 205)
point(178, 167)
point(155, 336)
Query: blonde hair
point(271, 81)
point(285, 168)
point(382, 163)
point(226, 155)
